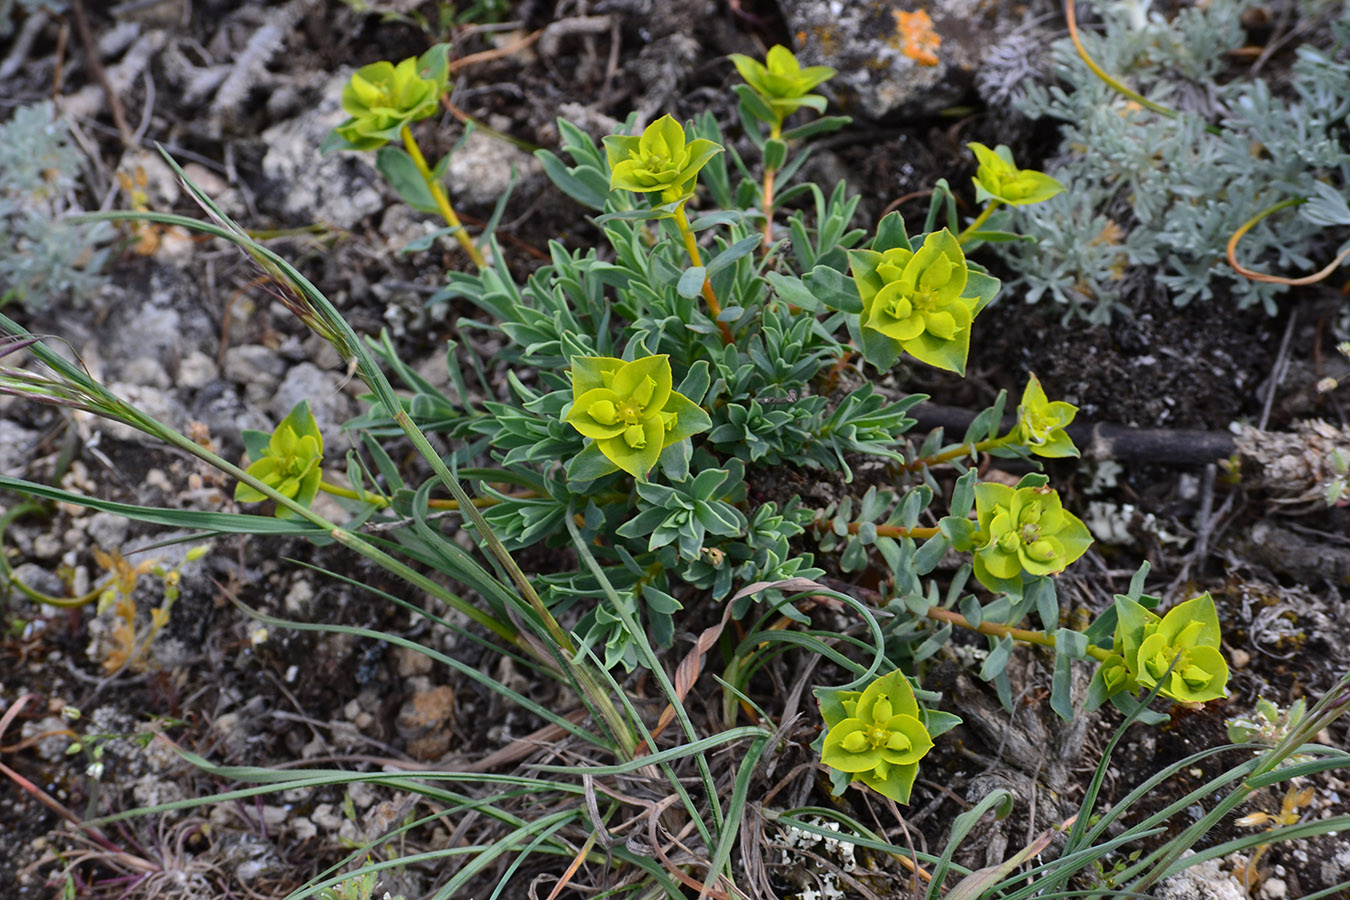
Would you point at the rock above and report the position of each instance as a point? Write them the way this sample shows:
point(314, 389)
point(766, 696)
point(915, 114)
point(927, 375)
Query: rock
point(107, 530)
point(329, 405)
point(57, 736)
point(16, 447)
point(409, 662)
point(897, 60)
point(197, 370)
point(340, 189)
point(152, 790)
point(219, 407)
point(161, 405)
point(254, 364)
point(1206, 881)
point(424, 722)
point(146, 371)
point(480, 170)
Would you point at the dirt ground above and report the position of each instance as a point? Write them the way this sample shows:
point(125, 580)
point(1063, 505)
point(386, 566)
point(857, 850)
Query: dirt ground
point(225, 688)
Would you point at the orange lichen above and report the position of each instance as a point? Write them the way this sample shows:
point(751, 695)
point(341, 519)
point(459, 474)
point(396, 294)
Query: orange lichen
point(920, 41)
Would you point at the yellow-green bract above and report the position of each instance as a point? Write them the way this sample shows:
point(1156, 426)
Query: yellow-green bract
point(381, 98)
point(783, 83)
point(918, 299)
point(631, 410)
point(660, 159)
point(291, 464)
point(1041, 422)
point(1024, 530)
point(998, 179)
point(1188, 635)
point(877, 736)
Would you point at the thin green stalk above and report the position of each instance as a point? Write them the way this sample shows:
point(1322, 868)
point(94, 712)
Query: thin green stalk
point(775, 132)
point(649, 659)
point(970, 230)
point(709, 296)
point(993, 629)
point(1114, 84)
point(442, 201)
point(972, 449)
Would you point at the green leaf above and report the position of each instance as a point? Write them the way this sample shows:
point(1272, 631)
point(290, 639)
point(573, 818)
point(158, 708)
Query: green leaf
point(398, 168)
point(691, 281)
point(998, 657)
point(891, 234)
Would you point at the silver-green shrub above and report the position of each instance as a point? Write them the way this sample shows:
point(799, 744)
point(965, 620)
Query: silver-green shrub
point(44, 256)
point(1154, 200)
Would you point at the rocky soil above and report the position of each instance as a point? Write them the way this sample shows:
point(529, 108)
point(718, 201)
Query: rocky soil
point(242, 92)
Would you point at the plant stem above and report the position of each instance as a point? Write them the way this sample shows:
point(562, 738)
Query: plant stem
point(897, 531)
point(1071, 20)
point(691, 246)
point(346, 538)
point(954, 453)
point(993, 629)
point(442, 201)
point(338, 490)
point(775, 131)
point(1277, 279)
point(969, 231)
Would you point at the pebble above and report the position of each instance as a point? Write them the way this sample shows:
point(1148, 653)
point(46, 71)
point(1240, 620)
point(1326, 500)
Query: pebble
point(424, 722)
point(197, 370)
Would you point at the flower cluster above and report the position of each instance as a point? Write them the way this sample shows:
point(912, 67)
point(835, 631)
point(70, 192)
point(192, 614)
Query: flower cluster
point(1024, 529)
point(1180, 650)
point(381, 98)
point(998, 179)
point(1041, 422)
point(630, 410)
point(781, 82)
point(877, 735)
point(290, 460)
point(919, 299)
point(660, 159)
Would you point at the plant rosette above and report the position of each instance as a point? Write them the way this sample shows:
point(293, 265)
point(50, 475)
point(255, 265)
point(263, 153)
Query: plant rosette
point(631, 411)
point(382, 97)
point(1041, 422)
point(1024, 529)
point(1186, 640)
point(289, 460)
point(659, 160)
point(917, 301)
point(782, 82)
point(998, 179)
point(877, 736)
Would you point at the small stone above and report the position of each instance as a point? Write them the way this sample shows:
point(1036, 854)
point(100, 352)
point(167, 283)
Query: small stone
point(480, 170)
point(254, 364)
point(340, 189)
point(298, 597)
point(362, 794)
point(329, 405)
point(47, 546)
point(1274, 889)
point(52, 746)
point(326, 817)
point(1239, 658)
point(302, 829)
point(197, 370)
point(352, 709)
point(409, 662)
point(424, 722)
point(146, 371)
point(274, 816)
point(107, 530)
point(158, 403)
